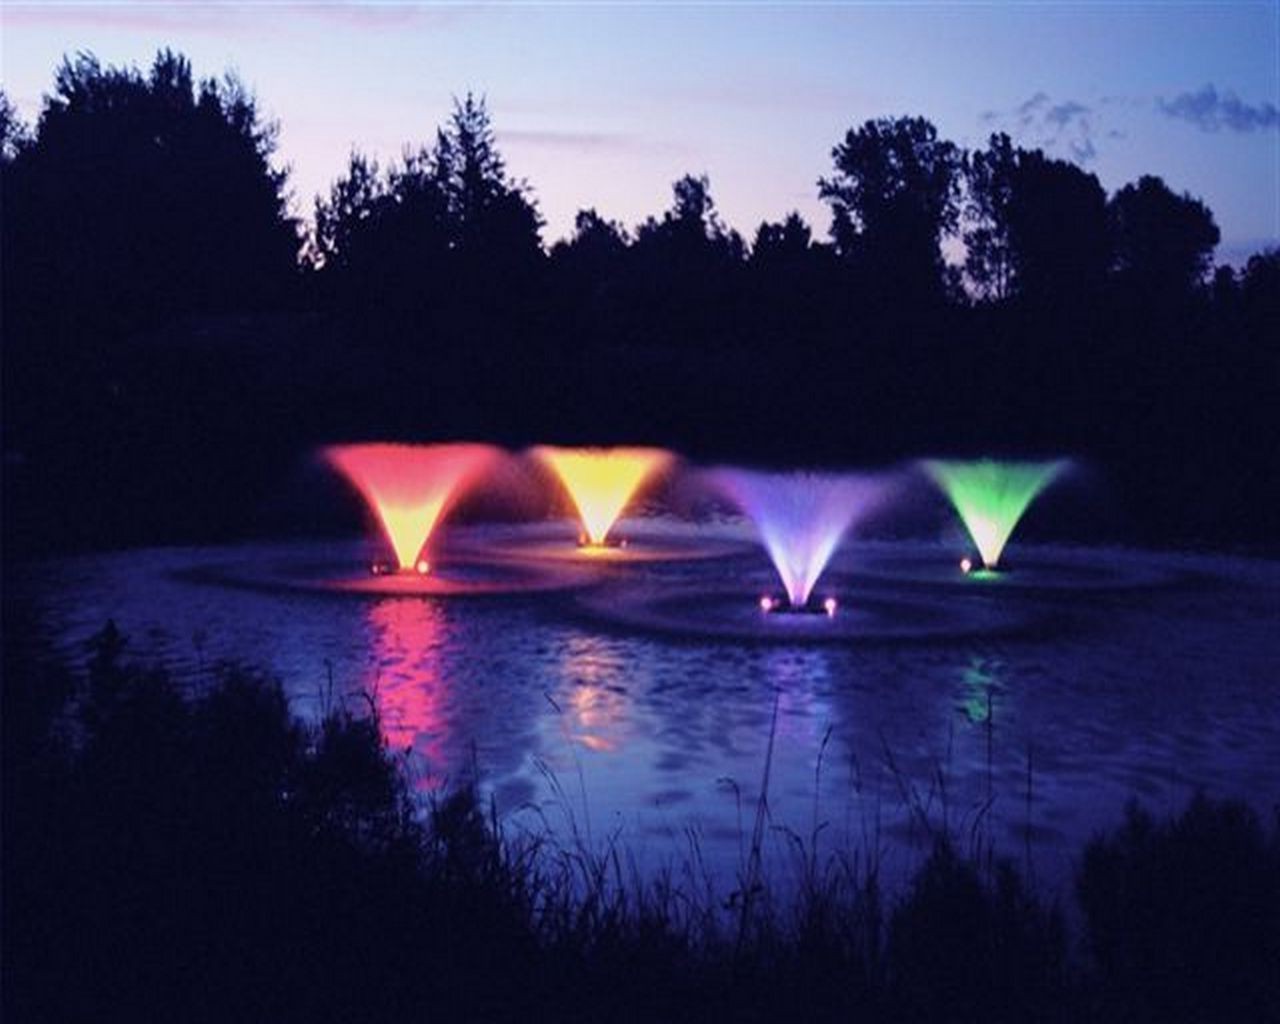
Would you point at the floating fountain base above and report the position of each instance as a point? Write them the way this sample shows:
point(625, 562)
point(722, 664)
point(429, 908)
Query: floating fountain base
point(645, 541)
point(341, 571)
point(717, 611)
point(783, 606)
point(1041, 569)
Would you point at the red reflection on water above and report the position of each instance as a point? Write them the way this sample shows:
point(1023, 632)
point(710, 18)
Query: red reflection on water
point(409, 486)
point(407, 636)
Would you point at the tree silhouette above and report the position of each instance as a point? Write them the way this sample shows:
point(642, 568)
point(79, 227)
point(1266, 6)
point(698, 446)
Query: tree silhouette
point(444, 224)
point(1262, 279)
point(784, 244)
point(492, 216)
point(894, 195)
point(1035, 227)
point(1162, 242)
point(13, 132)
point(691, 231)
point(990, 176)
point(140, 197)
point(591, 259)
point(382, 241)
point(351, 206)
point(1057, 229)
point(685, 270)
point(595, 243)
point(1260, 298)
point(791, 279)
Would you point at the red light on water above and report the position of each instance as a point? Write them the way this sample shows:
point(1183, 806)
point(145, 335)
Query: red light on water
point(406, 679)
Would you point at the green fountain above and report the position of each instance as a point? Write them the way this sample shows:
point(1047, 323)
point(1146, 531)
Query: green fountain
point(990, 497)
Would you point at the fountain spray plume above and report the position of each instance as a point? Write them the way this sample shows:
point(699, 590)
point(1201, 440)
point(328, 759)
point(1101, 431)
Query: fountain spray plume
point(409, 487)
point(990, 497)
point(801, 517)
point(601, 481)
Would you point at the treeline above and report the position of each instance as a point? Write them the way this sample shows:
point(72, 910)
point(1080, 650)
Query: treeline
point(215, 859)
point(158, 298)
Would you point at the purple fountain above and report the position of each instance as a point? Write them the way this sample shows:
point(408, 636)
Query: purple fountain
point(801, 517)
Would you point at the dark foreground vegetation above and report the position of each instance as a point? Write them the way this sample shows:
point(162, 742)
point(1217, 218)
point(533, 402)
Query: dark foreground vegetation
point(207, 857)
point(176, 341)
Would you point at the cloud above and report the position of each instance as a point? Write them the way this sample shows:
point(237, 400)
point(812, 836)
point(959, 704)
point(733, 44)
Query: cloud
point(1063, 113)
point(1028, 107)
point(1068, 126)
point(127, 18)
point(232, 19)
point(1212, 111)
point(587, 143)
point(1083, 150)
point(574, 140)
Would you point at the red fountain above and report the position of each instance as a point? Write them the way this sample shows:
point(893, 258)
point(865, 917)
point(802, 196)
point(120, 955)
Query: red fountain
point(409, 488)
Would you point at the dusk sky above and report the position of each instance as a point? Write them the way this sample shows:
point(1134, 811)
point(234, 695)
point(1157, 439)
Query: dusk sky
point(605, 105)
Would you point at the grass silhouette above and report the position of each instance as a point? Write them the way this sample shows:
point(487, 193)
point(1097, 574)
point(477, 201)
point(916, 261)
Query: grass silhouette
point(209, 857)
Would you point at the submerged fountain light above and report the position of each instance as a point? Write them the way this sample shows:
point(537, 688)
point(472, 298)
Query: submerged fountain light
point(990, 497)
point(800, 518)
point(409, 488)
point(600, 481)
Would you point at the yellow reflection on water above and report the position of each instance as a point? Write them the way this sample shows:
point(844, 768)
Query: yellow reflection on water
point(596, 705)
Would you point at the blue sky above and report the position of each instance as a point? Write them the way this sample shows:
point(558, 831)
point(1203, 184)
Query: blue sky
point(606, 104)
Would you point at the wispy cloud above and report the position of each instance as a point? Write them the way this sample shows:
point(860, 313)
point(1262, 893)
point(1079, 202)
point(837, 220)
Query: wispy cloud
point(556, 139)
point(1212, 111)
point(1067, 126)
point(1062, 114)
point(143, 17)
point(580, 141)
point(1031, 108)
point(167, 16)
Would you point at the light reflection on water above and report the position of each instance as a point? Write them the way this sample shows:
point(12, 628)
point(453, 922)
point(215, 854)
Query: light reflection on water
point(592, 669)
point(405, 637)
point(573, 725)
point(980, 683)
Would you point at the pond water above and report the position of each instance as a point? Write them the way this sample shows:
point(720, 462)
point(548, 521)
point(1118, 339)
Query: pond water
point(637, 699)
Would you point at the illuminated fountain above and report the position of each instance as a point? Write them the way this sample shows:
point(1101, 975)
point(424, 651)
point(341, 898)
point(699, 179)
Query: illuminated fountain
point(601, 481)
point(409, 488)
point(990, 498)
point(800, 518)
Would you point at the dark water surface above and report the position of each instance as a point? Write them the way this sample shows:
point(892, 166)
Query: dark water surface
point(636, 698)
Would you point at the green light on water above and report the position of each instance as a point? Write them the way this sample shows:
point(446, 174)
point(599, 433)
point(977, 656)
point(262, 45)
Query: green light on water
point(980, 681)
point(990, 497)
